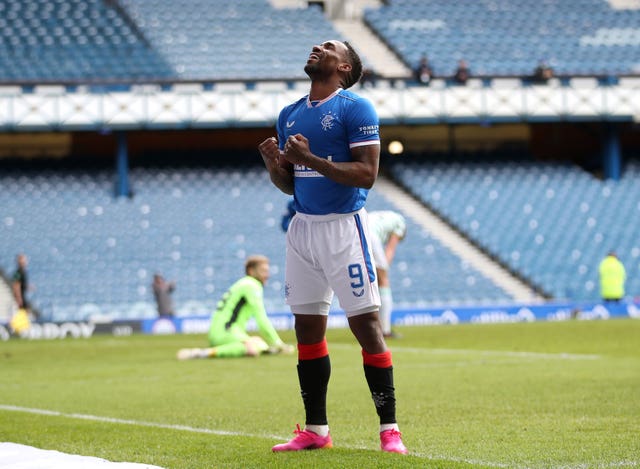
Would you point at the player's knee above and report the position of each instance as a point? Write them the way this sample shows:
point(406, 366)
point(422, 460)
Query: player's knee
point(367, 330)
point(310, 329)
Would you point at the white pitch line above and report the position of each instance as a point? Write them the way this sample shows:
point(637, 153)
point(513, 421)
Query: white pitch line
point(505, 353)
point(208, 431)
point(139, 423)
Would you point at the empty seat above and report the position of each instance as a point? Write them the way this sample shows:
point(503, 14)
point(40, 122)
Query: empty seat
point(515, 215)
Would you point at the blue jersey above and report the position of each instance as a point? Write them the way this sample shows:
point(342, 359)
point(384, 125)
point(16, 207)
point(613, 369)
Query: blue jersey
point(333, 127)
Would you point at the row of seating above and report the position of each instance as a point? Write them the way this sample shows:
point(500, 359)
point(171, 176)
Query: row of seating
point(551, 223)
point(222, 40)
point(511, 37)
point(73, 40)
point(195, 226)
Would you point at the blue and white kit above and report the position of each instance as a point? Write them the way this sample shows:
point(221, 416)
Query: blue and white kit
point(328, 241)
point(333, 127)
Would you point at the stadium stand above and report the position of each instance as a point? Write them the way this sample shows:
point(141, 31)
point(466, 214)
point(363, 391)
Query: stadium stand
point(425, 273)
point(130, 40)
point(550, 222)
point(224, 40)
point(195, 226)
point(103, 250)
point(133, 40)
point(544, 221)
point(73, 40)
point(510, 37)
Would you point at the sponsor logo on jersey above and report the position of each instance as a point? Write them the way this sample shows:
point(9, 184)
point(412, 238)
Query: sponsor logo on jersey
point(301, 171)
point(369, 129)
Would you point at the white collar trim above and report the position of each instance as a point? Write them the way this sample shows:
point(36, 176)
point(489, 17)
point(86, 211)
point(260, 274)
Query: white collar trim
point(318, 103)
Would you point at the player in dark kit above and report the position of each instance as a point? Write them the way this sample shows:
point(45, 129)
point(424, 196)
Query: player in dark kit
point(327, 155)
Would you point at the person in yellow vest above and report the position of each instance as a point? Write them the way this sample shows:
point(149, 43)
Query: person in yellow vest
point(20, 322)
point(612, 278)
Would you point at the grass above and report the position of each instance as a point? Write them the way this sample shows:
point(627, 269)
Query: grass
point(545, 394)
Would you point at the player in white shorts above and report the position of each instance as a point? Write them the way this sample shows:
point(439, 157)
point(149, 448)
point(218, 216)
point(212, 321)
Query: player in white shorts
point(388, 228)
point(327, 155)
point(322, 259)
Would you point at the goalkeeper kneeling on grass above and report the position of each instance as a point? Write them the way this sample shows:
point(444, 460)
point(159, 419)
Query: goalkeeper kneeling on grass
point(228, 335)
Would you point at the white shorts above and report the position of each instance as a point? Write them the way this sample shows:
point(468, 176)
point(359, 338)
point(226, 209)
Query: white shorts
point(327, 254)
point(379, 256)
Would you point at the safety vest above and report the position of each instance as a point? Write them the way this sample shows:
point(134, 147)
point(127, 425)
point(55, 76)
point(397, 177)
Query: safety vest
point(612, 278)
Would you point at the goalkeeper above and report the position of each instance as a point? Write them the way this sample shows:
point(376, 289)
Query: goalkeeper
point(228, 335)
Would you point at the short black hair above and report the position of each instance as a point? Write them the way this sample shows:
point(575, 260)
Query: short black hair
point(356, 67)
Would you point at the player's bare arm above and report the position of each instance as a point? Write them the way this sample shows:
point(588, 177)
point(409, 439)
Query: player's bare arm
point(280, 170)
point(360, 172)
point(390, 248)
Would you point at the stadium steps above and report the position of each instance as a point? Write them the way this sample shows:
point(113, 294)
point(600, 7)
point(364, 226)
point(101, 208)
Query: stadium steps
point(375, 53)
point(348, 22)
point(520, 291)
point(7, 305)
point(625, 4)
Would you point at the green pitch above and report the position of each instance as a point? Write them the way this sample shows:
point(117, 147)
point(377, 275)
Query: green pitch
point(508, 395)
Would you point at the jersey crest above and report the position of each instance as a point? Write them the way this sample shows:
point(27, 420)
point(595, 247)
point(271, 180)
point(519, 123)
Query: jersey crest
point(327, 121)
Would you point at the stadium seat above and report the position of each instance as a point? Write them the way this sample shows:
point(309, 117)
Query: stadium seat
point(512, 211)
point(70, 40)
point(509, 37)
point(195, 226)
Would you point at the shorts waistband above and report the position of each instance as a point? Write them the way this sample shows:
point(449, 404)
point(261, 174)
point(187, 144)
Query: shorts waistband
point(327, 217)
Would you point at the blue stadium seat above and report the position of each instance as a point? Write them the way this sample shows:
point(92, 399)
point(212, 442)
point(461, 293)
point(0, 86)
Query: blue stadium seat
point(219, 40)
point(72, 40)
point(551, 223)
point(195, 226)
point(510, 37)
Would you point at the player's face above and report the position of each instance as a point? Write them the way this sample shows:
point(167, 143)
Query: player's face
point(325, 58)
point(261, 272)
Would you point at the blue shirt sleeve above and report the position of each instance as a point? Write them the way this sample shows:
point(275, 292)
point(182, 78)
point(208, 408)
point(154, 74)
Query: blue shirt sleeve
point(363, 124)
